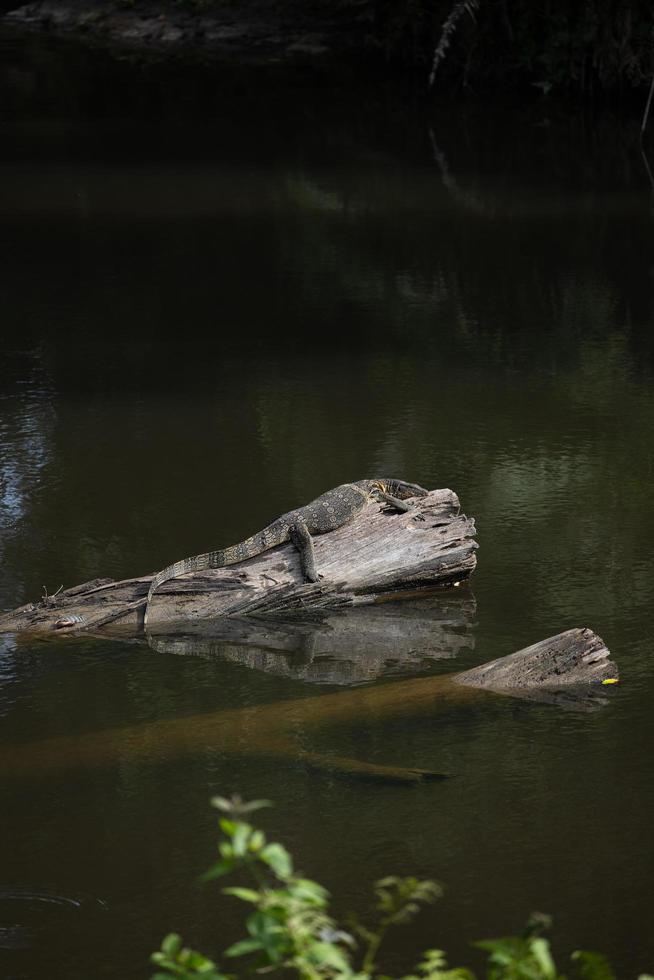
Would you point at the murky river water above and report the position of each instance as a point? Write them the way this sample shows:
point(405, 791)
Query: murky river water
point(221, 299)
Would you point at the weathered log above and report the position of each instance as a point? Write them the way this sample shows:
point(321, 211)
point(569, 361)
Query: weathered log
point(577, 657)
point(377, 554)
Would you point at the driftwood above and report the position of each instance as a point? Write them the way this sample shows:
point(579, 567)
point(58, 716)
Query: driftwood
point(377, 554)
point(570, 658)
point(574, 660)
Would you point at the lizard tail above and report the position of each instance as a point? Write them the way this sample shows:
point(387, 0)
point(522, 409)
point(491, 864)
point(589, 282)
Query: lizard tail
point(268, 538)
point(212, 559)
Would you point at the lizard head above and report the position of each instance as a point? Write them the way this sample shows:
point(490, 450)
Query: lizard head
point(399, 488)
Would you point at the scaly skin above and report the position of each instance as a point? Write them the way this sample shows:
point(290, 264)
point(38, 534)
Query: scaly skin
point(325, 513)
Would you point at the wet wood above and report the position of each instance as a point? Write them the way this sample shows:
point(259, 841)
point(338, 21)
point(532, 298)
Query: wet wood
point(579, 661)
point(376, 555)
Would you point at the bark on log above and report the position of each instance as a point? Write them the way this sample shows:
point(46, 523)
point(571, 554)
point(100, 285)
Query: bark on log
point(377, 554)
point(577, 658)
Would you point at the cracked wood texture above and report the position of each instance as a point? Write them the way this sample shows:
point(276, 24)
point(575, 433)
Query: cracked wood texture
point(575, 657)
point(378, 554)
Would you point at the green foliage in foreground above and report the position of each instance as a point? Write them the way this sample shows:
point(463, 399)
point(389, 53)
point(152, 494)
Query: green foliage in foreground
point(289, 927)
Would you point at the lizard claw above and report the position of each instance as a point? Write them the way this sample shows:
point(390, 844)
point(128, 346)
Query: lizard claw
point(67, 621)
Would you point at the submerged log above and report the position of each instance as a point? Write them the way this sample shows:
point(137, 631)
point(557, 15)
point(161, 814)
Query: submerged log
point(578, 660)
point(376, 555)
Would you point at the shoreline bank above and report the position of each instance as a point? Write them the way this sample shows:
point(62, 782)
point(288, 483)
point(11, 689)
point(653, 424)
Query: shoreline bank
point(258, 33)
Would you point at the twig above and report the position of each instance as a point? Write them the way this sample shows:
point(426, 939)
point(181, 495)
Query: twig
point(47, 600)
point(651, 177)
point(647, 168)
point(447, 31)
point(647, 107)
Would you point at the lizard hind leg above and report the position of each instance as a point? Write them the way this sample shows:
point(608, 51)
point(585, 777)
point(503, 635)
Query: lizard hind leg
point(299, 536)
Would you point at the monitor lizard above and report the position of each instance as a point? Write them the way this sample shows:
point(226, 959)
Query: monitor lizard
point(331, 510)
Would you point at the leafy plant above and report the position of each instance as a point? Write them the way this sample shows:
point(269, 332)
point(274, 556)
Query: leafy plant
point(289, 927)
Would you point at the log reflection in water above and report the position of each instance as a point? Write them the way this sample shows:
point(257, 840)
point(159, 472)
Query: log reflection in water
point(344, 648)
point(576, 658)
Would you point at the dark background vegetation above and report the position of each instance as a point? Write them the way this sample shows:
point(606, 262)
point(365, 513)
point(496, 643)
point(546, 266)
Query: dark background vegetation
point(586, 49)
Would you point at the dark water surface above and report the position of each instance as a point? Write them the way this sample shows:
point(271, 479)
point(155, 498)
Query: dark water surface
point(218, 300)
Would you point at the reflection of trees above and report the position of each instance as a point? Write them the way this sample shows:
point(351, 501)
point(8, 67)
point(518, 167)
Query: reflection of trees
point(27, 423)
point(471, 262)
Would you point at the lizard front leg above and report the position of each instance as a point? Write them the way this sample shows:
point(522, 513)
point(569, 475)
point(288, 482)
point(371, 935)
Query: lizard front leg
point(299, 535)
point(394, 502)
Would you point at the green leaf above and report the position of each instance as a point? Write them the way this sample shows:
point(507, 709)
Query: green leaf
point(222, 803)
point(236, 806)
point(217, 871)
point(198, 962)
point(504, 950)
point(326, 954)
point(278, 858)
point(159, 959)
point(592, 966)
point(240, 839)
point(171, 944)
point(254, 805)
point(536, 923)
point(245, 894)
point(243, 947)
point(306, 889)
point(540, 950)
point(271, 934)
point(434, 967)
